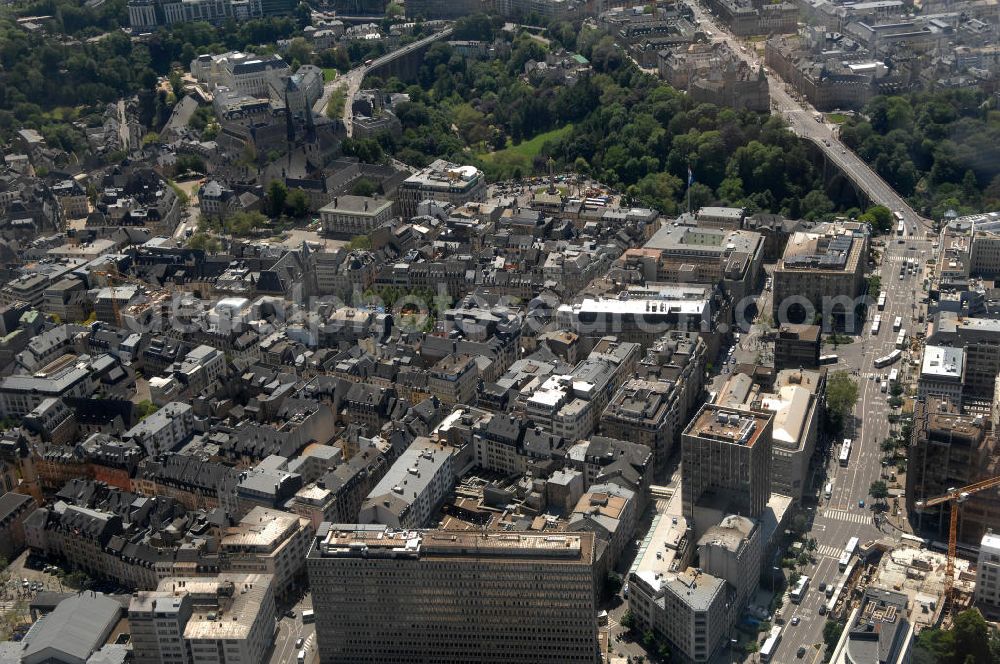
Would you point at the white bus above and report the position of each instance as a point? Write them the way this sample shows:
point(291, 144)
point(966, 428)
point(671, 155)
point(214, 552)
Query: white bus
point(897, 324)
point(898, 215)
point(771, 644)
point(876, 324)
point(881, 302)
point(828, 359)
point(900, 229)
point(845, 557)
point(799, 591)
point(894, 375)
point(901, 340)
point(888, 359)
point(838, 590)
point(845, 452)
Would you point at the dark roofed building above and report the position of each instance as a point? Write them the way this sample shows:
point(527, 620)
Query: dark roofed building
point(14, 509)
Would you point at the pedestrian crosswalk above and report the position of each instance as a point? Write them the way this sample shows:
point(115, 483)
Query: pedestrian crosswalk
point(850, 517)
point(828, 551)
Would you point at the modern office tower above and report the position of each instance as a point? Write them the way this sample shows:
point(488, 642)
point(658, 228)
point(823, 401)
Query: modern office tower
point(383, 596)
point(726, 461)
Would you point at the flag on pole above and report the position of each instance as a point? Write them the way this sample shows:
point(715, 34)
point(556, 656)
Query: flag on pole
point(690, 176)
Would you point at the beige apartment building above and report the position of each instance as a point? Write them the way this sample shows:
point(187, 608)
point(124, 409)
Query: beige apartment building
point(267, 541)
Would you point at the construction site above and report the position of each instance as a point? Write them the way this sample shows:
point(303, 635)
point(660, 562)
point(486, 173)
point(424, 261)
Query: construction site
point(906, 568)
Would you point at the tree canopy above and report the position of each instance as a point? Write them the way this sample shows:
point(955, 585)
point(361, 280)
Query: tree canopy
point(841, 395)
point(940, 149)
point(970, 640)
point(626, 128)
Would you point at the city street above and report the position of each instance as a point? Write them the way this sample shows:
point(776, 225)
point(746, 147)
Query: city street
point(191, 214)
point(350, 83)
point(838, 519)
point(289, 631)
point(801, 118)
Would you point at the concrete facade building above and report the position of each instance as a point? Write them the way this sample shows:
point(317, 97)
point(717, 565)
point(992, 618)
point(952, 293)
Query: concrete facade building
point(795, 400)
point(819, 274)
point(413, 487)
point(732, 551)
point(228, 619)
point(267, 541)
point(797, 347)
point(447, 596)
point(698, 605)
point(949, 450)
point(354, 215)
point(649, 412)
point(942, 373)
point(980, 340)
point(147, 15)
point(726, 458)
point(441, 181)
point(716, 252)
point(988, 572)
point(878, 631)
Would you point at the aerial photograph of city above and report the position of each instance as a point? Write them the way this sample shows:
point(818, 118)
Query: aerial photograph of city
point(499, 332)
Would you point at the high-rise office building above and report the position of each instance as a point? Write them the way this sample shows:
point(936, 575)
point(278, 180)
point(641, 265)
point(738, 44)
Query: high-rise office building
point(384, 596)
point(726, 460)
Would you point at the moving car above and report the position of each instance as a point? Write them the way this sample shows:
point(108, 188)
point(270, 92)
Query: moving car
point(861, 503)
point(801, 652)
point(795, 620)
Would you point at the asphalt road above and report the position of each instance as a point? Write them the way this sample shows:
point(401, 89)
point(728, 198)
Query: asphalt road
point(840, 517)
point(801, 118)
point(289, 630)
point(351, 81)
point(189, 217)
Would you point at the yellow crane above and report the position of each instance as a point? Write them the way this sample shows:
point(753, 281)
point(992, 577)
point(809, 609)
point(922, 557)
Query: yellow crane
point(956, 497)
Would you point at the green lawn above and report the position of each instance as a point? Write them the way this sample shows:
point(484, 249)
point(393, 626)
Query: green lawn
point(836, 118)
point(527, 149)
point(329, 73)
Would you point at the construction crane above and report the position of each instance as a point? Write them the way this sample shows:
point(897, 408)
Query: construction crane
point(955, 497)
point(113, 276)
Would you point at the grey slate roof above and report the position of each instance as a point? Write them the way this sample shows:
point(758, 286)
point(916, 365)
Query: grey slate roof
point(77, 627)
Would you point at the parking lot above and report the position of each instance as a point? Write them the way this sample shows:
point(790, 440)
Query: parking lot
point(22, 582)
